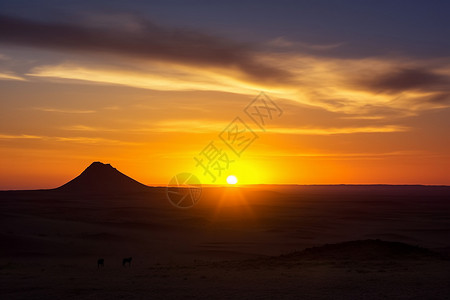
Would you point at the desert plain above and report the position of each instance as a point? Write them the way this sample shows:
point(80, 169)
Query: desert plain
point(245, 242)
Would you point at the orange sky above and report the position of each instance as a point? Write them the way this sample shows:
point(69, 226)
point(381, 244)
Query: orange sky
point(344, 120)
point(152, 136)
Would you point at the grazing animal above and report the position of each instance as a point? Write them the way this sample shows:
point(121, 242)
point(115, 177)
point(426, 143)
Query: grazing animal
point(100, 263)
point(127, 260)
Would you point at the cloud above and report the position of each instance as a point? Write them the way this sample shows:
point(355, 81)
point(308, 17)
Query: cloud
point(363, 117)
point(18, 136)
point(202, 126)
point(5, 69)
point(405, 79)
point(352, 155)
point(443, 98)
point(8, 76)
point(340, 130)
point(145, 40)
point(382, 86)
point(164, 59)
point(191, 125)
point(77, 139)
point(93, 140)
point(66, 111)
point(422, 87)
point(359, 88)
point(164, 77)
point(85, 128)
point(284, 43)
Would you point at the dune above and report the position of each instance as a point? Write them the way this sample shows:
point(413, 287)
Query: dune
point(363, 250)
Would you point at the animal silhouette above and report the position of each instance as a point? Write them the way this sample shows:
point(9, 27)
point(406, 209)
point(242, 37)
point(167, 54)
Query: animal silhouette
point(100, 262)
point(127, 260)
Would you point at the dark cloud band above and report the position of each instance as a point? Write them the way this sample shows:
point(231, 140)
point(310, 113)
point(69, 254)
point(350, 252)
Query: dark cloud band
point(148, 41)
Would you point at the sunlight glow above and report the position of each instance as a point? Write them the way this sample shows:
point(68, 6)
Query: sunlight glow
point(232, 179)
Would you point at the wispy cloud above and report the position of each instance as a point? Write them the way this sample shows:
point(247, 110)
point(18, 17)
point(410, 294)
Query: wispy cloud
point(202, 126)
point(351, 155)
point(19, 136)
point(93, 140)
point(85, 128)
point(343, 130)
point(195, 126)
point(191, 125)
point(284, 43)
point(64, 110)
point(150, 58)
point(75, 139)
point(332, 84)
point(8, 76)
point(164, 77)
point(362, 117)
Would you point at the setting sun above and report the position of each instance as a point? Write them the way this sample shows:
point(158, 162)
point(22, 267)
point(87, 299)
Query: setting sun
point(232, 179)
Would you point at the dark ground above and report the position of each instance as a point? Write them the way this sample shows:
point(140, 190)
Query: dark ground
point(223, 247)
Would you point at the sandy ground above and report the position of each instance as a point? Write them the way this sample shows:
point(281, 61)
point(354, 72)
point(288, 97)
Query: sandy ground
point(51, 242)
point(310, 280)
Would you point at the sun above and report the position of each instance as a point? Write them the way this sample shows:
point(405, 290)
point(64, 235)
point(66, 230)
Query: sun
point(232, 179)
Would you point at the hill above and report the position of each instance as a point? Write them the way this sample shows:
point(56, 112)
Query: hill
point(100, 178)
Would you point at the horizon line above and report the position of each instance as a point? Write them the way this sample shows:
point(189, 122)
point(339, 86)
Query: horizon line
point(264, 184)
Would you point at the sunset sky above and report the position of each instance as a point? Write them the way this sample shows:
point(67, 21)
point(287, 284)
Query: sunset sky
point(361, 90)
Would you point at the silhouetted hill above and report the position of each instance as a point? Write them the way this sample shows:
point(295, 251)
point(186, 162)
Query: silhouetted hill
point(100, 178)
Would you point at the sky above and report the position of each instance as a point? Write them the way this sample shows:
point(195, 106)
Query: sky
point(273, 92)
